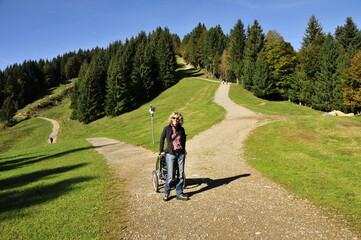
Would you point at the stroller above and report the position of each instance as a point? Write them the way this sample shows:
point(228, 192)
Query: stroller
point(159, 175)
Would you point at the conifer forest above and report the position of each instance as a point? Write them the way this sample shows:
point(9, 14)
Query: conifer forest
point(325, 73)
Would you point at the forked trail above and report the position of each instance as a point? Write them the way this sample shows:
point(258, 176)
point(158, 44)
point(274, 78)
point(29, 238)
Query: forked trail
point(228, 199)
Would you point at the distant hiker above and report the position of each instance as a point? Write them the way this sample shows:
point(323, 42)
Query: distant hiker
point(51, 140)
point(174, 153)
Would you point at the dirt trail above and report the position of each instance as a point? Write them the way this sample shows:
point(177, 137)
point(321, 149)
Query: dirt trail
point(56, 127)
point(228, 199)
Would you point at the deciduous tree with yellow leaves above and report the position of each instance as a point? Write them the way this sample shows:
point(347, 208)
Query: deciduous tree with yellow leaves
point(352, 81)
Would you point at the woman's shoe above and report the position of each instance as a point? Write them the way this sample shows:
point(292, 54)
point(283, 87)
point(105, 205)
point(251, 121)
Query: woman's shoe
point(182, 197)
point(166, 197)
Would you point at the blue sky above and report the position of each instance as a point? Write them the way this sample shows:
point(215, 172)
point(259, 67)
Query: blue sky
point(34, 29)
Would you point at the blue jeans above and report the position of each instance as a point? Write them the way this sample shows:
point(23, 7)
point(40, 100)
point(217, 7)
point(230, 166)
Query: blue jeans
point(171, 159)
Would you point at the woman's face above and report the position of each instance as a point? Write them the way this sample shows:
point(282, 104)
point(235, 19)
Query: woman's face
point(175, 120)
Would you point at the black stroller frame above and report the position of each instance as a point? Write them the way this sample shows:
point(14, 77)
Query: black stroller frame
point(159, 175)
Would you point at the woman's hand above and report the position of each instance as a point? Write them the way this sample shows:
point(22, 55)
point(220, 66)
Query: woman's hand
point(162, 153)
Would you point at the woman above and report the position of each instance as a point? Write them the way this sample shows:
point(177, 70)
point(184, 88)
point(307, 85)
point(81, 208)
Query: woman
point(174, 153)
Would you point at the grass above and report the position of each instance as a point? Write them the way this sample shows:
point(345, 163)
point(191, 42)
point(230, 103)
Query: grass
point(245, 98)
point(316, 157)
point(66, 190)
point(192, 97)
point(50, 190)
point(56, 95)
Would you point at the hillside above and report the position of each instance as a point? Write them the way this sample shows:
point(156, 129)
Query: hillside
point(41, 182)
point(56, 96)
point(69, 190)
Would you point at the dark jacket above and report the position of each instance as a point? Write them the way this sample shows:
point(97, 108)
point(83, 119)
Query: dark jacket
point(167, 134)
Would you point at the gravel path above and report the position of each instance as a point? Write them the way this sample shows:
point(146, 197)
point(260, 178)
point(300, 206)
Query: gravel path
point(55, 131)
point(228, 199)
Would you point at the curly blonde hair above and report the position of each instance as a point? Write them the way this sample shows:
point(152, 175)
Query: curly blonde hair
point(180, 116)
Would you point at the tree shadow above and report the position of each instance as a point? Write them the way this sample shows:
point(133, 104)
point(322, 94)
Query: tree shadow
point(16, 163)
point(104, 145)
point(210, 183)
point(16, 200)
point(12, 157)
point(28, 178)
point(191, 72)
point(13, 164)
point(13, 199)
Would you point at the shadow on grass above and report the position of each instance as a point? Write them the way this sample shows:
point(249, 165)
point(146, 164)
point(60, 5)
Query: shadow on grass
point(185, 73)
point(104, 145)
point(16, 163)
point(16, 200)
point(12, 157)
point(28, 178)
point(210, 183)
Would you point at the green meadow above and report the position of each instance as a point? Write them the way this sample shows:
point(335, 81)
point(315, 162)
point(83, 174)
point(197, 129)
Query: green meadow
point(317, 158)
point(248, 100)
point(66, 190)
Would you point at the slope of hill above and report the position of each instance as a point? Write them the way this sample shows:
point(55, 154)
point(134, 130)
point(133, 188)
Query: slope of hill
point(56, 96)
point(69, 190)
point(66, 188)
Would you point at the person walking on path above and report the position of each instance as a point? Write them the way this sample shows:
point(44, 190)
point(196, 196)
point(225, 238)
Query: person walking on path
point(174, 153)
point(56, 128)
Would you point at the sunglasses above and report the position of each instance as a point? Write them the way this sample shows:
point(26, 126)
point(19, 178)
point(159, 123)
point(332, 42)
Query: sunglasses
point(175, 118)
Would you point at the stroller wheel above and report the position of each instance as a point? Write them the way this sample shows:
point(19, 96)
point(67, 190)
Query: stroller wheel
point(155, 181)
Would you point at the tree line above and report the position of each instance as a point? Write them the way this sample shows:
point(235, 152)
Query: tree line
point(21, 84)
point(110, 81)
point(324, 74)
point(136, 72)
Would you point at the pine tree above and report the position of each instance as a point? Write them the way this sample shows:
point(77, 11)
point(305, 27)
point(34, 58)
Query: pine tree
point(262, 85)
point(184, 47)
point(309, 60)
point(16, 86)
point(280, 58)
point(113, 48)
point(296, 80)
point(328, 87)
point(213, 49)
point(2, 87)
point(119, 84)
point(33, 79)
point(194, 47)
point(90, 105)
point(135, 85)
point(165, 56)
point(8, 109)
point(349, 36)
point(177, 44)
point(62, 68)
point(72, 66)
point(236, 47)
point(314, 33)
point(50, 74)
point(143, 74)
point(149, 73)
point(76, 91)
point(113, 105)
point(254, 45)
